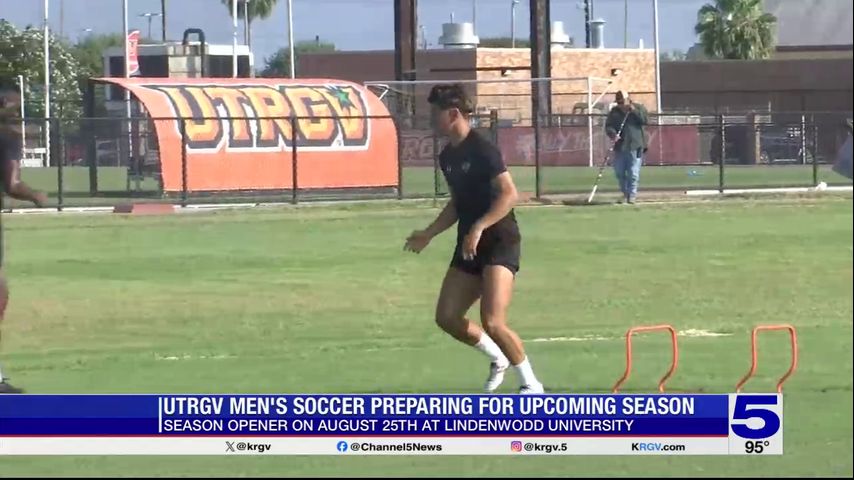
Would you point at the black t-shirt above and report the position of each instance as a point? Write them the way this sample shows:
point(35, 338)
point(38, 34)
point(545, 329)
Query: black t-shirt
point(469, 169)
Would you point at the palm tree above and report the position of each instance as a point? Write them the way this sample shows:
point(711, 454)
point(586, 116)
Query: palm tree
point(249, 10)
point(736, 30)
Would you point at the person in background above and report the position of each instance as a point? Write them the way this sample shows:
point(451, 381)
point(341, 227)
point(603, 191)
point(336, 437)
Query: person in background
point(843, 162)
point(625, 126)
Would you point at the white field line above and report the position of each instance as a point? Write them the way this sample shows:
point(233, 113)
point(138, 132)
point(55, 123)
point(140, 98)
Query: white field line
point(693, 333)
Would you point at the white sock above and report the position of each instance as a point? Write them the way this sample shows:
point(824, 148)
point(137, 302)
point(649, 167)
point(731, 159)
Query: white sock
point(490, 349)
point(1, 374)
point(526, 373)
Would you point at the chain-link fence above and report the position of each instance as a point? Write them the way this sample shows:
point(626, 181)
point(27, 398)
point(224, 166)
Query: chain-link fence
point(112, 161)
point(683, 153)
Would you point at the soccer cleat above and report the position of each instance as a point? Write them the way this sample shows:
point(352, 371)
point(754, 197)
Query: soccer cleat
point(496, 376)
point(531, 389)
point(8, 388)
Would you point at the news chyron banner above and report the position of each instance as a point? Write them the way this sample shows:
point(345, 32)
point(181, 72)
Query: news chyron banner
point(745, 424)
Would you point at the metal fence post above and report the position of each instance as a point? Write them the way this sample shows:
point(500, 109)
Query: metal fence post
point(90, 125)
point(294, 169)
point(814, 147)
point(537, 177)
point(183, 128)
point(803, 145)
point(493, 125)
point(435, 169)
point(59, 166)
point(722, 161)
point(399, 133)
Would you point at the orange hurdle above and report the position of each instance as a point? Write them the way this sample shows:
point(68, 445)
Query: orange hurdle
point(793, 335)
point(653, 328)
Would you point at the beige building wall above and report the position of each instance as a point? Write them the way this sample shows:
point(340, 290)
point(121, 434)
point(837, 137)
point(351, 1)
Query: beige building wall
point(568, 96)
point(511, 99)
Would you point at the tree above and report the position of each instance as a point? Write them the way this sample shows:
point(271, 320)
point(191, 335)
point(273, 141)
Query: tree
point(278, 64)
point(21, 53)
point(90, 53)
point(674, 55)
point(736, 30)
point(504, 42)
point(696, 53)
point(255, 9)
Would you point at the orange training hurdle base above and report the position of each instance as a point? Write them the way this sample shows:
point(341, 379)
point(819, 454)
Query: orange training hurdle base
point(793, 335)
point(675, 348)
point(145, 208)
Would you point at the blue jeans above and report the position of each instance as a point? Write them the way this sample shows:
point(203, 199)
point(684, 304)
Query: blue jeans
point(627, 166)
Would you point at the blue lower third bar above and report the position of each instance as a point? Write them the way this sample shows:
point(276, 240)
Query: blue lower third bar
point(379, 415)
point(364, 426)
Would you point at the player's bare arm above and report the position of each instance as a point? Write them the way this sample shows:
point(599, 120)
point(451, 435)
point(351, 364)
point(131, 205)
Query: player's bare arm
point(500, 208)
point(18, 189)
point(419, 239)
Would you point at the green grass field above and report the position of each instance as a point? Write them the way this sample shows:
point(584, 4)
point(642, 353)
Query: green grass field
point(322, 299)
point(419, 182)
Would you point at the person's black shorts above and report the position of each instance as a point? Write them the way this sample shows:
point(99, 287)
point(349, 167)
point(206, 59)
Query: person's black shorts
point(493, 249)
point(10, 148)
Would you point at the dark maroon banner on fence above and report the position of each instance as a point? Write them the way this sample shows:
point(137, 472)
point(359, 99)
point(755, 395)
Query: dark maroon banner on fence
point(417, 148)
point(558, 145)
point(673, 145)
point(565, 146)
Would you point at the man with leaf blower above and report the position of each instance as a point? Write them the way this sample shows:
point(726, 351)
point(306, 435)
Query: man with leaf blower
point(625, 126)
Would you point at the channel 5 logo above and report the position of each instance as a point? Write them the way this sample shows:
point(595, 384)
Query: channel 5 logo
point(516, 446)
point(756, 416)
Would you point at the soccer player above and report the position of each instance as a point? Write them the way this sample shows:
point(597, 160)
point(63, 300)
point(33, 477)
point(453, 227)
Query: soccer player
point(10, 156)
point(486, 258)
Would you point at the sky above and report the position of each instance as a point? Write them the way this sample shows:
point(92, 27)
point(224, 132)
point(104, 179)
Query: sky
point(359, 24)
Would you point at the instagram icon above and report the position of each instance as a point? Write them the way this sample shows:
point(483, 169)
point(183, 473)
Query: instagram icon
point(516, 446)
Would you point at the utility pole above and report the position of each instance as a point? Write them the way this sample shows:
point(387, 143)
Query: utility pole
point(163, 18)
point(626, 24)
point(588, 15)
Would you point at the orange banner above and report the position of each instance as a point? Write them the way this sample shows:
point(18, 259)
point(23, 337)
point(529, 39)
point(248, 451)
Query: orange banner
point(240, 137)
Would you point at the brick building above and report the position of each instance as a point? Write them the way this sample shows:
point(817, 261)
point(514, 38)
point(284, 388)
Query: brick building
point(507, 67)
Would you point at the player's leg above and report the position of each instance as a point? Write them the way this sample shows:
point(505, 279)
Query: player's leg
point(633, 175)
point(619, 164)
point(497, 291)
point(459, 292)
point(4, 300)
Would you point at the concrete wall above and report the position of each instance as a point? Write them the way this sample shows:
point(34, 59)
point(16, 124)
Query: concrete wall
point(738, 86)
point(378, 65)
point(703, 86)
point(801, 54)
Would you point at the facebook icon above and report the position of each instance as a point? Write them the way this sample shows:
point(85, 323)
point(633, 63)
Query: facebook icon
point(342, 446)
